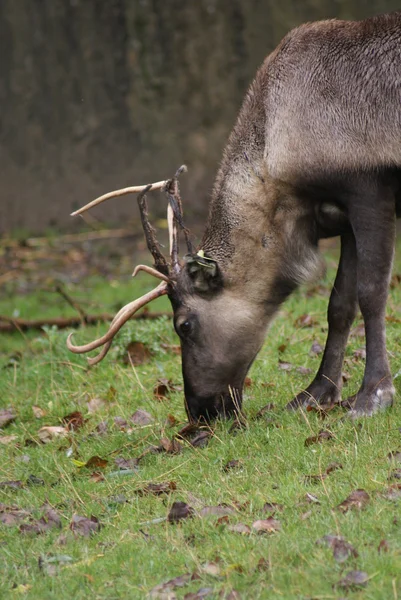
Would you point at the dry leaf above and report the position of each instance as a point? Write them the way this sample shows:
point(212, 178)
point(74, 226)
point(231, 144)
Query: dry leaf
point(73, 420)
point(120, 423)
point(358, 499)
point(180, 511)
point(7, 416)
point(342, 550)
point(126, 464)
point(320, 437)
point(220, 511)
point(201, 440)
point(305, 321)
point(315, 349)
point(38, 412)
point(47, 434)
point(157, 489)
point(95, 462)
point(354, 579)
point(240, 528)
point(95, 404)
point(141, 417)
point(272, 507)
point(8, 439)
point(83, 526)
point(96, 477)
point(137, 353)
point(164, 387)
point(14, 485)
point(232, 464)
point(211, 568)
point(170, 446)
point(269, 525)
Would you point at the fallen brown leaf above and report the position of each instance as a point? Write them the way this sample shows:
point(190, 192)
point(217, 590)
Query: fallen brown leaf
point(38, 412)
point(73, 420)
point(7, 416)
point(170, 585)
point(303, 370)
point(305, 321)
point(141, 417)
point(342, 550)
point(240, 528)
point(83, 526)
point(157, 489)
point(126, 464)
point(96, 477)
point(319, 477)
point(353, 579)
point(393, 493)
point(95, 462)
point(315, 349)
point(201, 440)
point(120, 423)
point(164, 387)
point(211, 568)
point(170, 446)
point(49, 433)
point(272, 507)
point(180, 511)
point(8, 439)
point(14, 485)
point(269, 525)
point(137, 353)
point(232, 464)
point(170, 421)
point(95, 404)
point(49, 520)
point(320, 437)
point(358, 499)
point(220, 510)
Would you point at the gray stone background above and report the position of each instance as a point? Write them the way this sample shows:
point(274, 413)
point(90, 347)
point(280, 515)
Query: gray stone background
point(99, 94)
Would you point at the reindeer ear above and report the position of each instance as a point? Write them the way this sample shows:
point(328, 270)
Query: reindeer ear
point(204, 272)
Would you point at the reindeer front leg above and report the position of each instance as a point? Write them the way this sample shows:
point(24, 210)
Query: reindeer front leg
point(372, 217)
point(326, 387)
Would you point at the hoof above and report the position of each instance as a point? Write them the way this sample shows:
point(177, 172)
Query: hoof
point(366, 404)
point(316, 395)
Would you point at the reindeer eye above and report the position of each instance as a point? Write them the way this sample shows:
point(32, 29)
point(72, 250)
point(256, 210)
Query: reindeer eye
point(185, 328)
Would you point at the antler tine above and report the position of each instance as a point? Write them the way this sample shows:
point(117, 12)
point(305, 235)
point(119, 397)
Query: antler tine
point(121, 317)
point(150, 271)
point(173, 195)
point(173, 235)
point(158, 185)
point(150, 234)
point(107, 345)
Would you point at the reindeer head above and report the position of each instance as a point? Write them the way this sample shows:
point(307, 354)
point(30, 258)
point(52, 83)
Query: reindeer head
point(220, 331)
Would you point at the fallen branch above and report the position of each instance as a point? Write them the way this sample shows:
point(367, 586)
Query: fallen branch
point(8, 324)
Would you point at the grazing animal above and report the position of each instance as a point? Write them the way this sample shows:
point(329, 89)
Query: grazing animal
point(315, 153)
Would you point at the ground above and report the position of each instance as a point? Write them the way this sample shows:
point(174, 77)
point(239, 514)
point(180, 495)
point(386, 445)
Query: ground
point(276, 469)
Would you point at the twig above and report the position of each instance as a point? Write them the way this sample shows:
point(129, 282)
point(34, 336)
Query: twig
point(9, 324)
point(71, 302)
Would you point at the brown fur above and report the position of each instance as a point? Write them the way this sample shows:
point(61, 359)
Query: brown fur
point(324, 108)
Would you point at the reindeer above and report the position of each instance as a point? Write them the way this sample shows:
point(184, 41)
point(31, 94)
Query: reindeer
point(315, 153)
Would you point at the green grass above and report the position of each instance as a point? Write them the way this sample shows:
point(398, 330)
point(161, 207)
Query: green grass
point(130, 554)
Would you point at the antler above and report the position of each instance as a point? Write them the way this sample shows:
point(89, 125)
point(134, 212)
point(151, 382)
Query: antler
point(121, 317)
point(162, 271)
